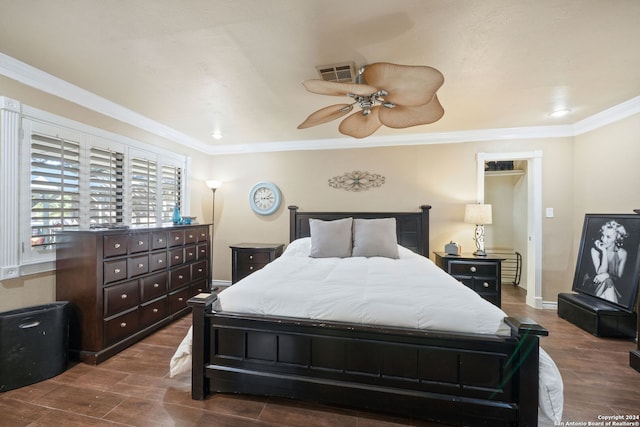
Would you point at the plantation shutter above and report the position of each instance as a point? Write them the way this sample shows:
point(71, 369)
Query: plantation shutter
point(171, 190)
point(55, 187)
point(106, 187)
point(144, 186)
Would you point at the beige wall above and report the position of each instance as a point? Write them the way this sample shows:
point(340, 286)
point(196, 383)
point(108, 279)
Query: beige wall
point(441, 175)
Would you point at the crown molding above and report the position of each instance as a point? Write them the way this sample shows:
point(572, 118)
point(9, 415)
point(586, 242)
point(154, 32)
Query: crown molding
point(45, 82)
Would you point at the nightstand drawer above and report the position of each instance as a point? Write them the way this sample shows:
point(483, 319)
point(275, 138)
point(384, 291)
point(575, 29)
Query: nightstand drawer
point(485, 285)
point(254, 257)
point(472, 268)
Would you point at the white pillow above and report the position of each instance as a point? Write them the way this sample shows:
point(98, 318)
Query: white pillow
point(330, 239)
point(375, 237)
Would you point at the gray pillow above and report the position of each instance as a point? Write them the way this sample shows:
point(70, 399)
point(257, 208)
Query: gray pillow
point(375, 237)
point(330, 238)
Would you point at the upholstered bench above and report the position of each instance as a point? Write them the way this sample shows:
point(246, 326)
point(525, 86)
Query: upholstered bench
point(596, 316)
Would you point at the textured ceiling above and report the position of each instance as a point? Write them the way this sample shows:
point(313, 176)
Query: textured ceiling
point(237, 64)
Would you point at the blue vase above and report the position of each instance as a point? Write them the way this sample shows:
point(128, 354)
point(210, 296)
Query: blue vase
point(176, 215)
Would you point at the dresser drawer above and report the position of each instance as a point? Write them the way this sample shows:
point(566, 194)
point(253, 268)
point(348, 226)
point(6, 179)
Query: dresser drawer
point(115, 270)
point(190, 253)
point(154, 286)
point(121, 327)
point(176, 257)
point(178, 300)
point(176, 237)
point(190, 236)
point(157, 261)
point(179, 277)
point(138, 265)
point(199, 287)
point(199, 270)
point(202, 233)
point(472, 268)
point(139, 243)
point(153, 312)
point(202, 251)
point(121, 297)
point(158, 240)
point(114, 245)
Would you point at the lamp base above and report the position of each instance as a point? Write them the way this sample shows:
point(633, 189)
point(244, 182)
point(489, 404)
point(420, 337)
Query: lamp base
point(480, 253)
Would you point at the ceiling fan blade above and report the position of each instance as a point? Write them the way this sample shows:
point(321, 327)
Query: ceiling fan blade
point(403, 117)
point(358, 125)
point(325, 115)
point(323, 87)
point(406, 84)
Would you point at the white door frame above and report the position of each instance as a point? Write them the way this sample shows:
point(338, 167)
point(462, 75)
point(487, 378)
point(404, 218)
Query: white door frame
point(534, 215)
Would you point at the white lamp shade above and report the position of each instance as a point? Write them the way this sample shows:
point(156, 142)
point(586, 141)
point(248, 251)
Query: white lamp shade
point(479, 214)
point(212, 184)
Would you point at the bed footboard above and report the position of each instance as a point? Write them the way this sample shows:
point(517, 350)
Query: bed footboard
point(460, 379)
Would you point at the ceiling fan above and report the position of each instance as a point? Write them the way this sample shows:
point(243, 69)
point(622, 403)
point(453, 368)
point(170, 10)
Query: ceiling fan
point(397, 96)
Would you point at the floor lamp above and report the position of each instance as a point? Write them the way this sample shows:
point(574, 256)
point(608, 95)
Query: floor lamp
point(478, 214)
point(213, 185)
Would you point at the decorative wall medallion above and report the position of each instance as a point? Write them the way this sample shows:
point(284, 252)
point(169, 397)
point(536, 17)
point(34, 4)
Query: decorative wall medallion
point(356, 181)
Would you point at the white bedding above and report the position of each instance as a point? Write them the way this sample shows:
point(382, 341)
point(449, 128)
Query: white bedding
point(369, 291)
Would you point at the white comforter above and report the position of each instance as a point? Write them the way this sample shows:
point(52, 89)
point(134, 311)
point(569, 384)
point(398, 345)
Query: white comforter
point(407, 292)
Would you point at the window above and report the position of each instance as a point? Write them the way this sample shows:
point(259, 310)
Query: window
point(72, 176)
point(55, 188)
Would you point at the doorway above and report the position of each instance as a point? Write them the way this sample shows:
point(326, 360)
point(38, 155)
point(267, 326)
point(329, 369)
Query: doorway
point(533, 209)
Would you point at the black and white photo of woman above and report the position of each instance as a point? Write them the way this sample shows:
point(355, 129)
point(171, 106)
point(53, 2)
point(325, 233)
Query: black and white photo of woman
point(609, 259)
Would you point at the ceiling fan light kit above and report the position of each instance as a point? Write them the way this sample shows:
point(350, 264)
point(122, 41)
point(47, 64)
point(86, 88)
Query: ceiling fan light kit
point(397, 96)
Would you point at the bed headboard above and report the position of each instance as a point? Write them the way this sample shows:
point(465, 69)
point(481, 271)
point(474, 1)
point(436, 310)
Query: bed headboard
point(412, 228)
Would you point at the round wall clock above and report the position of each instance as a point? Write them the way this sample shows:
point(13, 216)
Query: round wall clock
point(264, 198)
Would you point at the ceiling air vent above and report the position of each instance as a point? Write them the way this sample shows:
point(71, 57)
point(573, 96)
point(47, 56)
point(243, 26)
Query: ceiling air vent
point(341, 73)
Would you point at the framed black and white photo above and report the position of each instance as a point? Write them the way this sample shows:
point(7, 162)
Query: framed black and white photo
point(609, 258)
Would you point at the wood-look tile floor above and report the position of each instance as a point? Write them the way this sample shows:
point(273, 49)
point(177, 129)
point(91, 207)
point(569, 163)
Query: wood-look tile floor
point(133, 388)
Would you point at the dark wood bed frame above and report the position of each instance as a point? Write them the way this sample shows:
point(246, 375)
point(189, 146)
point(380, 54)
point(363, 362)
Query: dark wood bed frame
point(452, 378)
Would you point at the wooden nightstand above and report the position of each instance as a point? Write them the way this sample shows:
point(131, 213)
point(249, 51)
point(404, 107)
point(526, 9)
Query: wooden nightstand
point(249, 257)
point(482, 274)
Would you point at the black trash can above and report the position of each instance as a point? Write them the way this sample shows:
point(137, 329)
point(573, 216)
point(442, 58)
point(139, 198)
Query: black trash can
point(34, 344)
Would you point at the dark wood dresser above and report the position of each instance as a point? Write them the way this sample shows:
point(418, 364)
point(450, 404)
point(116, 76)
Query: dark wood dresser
point(123, 284)
point(249, 257)
point(482, 274)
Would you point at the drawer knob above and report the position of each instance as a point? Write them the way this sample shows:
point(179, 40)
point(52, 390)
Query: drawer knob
point(250, 256)
point(251, 267)
point(473, 269)
point(140, 265)
point(177, 238)
point(117, 270)
point(123, 324)
point(199, 270)
point(485, 284)
point(176, 257)
point(159, 261)
point(156, 285)
point(155, 310)
point(117, 245)
point(160, 240)
point(180, 299)
point(202, 234)
point(140, 243)
point(180, 276)
point(123, 296)
point(191, 236)
point(190, 253)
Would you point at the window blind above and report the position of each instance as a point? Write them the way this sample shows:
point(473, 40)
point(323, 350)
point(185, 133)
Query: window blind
point(55, 187)
point(143, 191)
point(171, 190)
point(106, 187)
